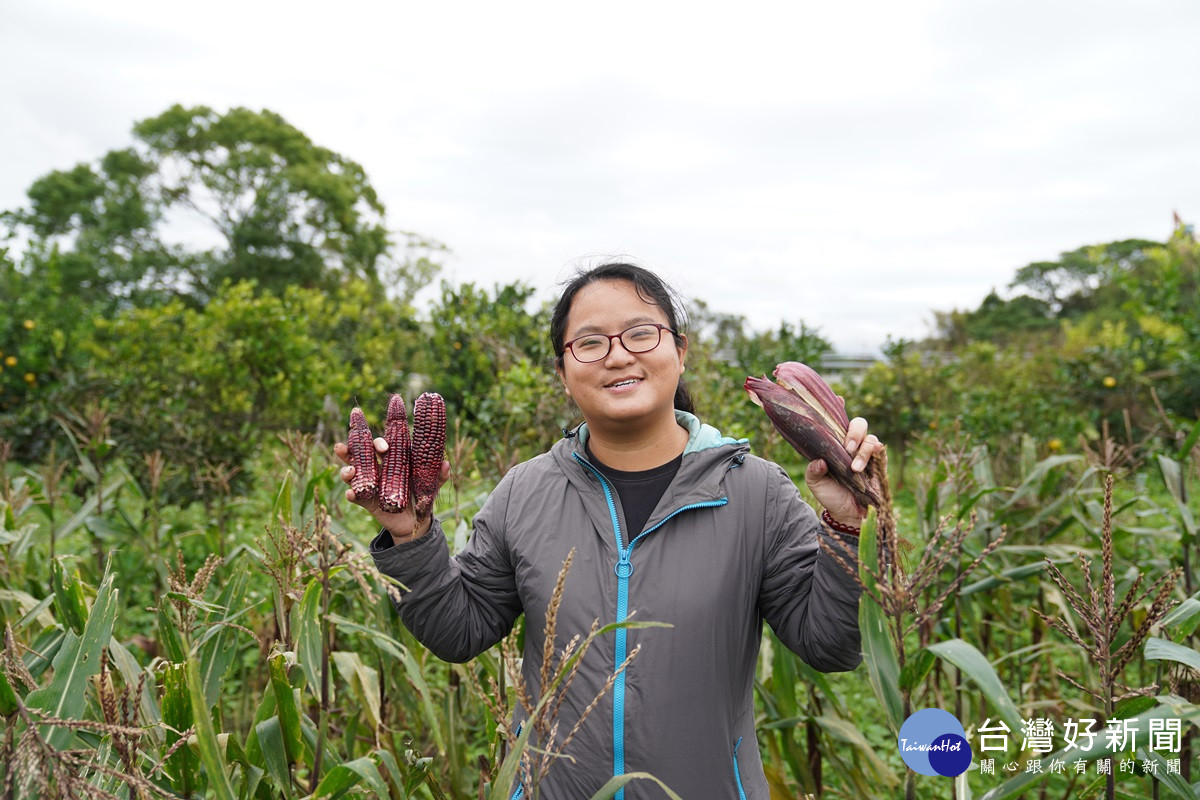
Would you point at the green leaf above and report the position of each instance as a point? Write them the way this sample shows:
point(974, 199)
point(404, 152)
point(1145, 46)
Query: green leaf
point(132, 672)
point(363, 682)
point(342, 777)
point(618, 782)
point(270, 741)
point(1172, 475)
point(1037, 476)
point(78, 660)
point(850, 733)
point(29, 606)
point(1184, 618)
point(1005, 576)
point(210, 749)
point(883, 668)
point(308, 628)
point(1184, 449)
point(975, 666)
point(218, 651)
point(916, 669)
point(89, 506)
point(1172, 780)
point(285, 704)
point(283, 500)
point(8, 698)
point(168, 634)
point(68, 597)
point(1162, 650)
point(183, 765)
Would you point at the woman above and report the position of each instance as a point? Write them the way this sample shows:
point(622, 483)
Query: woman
point(666, 517)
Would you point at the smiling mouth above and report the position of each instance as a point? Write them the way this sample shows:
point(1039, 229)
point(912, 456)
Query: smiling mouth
point(628, 382)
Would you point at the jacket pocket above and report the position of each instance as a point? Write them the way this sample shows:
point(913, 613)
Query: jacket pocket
point(737, 775)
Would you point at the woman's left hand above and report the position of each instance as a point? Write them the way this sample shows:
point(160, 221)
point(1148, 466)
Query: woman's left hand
point(836, 499)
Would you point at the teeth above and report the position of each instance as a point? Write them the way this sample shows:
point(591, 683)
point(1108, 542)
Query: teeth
point(625, 383)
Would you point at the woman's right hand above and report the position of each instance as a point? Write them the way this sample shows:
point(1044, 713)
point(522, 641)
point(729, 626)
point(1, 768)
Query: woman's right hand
point(404, 525)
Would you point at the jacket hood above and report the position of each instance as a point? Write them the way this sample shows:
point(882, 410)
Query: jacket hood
point(707, 457)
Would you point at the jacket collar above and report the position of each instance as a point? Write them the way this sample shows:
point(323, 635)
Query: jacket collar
point(706, 458)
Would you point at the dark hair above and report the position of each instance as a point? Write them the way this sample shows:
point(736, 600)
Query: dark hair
point(650, 288)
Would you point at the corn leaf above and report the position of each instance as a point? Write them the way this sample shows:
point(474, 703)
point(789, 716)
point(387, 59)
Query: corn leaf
point(269, 736)
point(8, 698)
point(883, 668)
point(68, 597)
point(1163, 650)
point(307, 625)
point(210, 748)
point(1193, 436)
point(1172, 780)
point(78, 660)
point(343, 777)
point(131, 673)
point(618, 782)
point(1182, 621)
point(850, 733)
point(363, 682)
point(285, 703)
point(975, 666)
point(218, 651)
point(183, 766)
point(168, 633)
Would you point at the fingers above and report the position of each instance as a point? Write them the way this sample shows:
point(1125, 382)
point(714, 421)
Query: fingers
point(342, 451)
point(869, 447)
point(856, 431)
point(381, 444)
point(445, 475)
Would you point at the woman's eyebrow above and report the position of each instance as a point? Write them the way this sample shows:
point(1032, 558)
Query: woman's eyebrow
point(629, 323)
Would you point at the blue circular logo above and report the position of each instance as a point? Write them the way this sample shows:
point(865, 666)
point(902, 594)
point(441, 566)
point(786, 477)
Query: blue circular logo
point(933, 742)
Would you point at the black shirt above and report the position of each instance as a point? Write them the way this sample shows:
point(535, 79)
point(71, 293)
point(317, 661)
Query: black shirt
point(639, 491)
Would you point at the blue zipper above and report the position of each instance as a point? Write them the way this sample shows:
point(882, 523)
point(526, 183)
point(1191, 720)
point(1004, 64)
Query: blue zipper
point(624, 568)
point(737, 776)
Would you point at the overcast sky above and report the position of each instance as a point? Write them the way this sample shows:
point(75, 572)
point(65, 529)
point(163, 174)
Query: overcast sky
point(852, 165)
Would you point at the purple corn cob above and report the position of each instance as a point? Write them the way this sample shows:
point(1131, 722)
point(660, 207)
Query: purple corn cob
point(428, 450)
point(813, 421)
point(397, 461)
point(362, 456)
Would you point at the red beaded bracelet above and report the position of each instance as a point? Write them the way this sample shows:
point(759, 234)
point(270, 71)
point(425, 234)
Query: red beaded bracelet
point(837, 526)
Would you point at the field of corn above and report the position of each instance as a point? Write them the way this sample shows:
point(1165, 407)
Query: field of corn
point(189, 610)
point(154, 655)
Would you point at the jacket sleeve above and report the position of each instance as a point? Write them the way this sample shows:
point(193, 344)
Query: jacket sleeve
point(457, 606)
point(807, 597)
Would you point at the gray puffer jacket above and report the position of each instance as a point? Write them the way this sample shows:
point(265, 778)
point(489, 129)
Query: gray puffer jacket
point(730, 544)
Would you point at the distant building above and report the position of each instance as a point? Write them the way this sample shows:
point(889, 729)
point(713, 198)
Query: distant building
point(845, 367)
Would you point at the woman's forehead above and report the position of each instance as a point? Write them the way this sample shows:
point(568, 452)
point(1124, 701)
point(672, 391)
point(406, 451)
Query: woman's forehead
point(604, 304)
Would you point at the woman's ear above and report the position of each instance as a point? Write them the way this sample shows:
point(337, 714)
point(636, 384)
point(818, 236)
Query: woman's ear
point(682, 353)
point(558, 370)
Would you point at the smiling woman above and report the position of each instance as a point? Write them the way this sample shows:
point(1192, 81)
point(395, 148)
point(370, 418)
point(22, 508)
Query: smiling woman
point(660, 513)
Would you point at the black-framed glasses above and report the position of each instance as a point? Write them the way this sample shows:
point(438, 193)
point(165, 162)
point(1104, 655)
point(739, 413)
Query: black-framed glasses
point(638, 339)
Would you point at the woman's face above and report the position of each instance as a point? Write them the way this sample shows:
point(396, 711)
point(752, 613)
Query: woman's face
point(622, 388)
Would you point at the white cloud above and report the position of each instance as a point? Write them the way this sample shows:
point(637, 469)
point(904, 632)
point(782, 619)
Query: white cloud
point(852, 165)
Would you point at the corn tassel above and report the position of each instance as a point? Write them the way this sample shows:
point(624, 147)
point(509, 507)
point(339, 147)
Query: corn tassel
point(362, 456)
point(394, 478)
point(428, 450)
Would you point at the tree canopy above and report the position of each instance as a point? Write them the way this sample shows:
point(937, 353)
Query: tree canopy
point(272, 207)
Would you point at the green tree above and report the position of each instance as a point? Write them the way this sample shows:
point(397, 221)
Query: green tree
point(273, 207)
